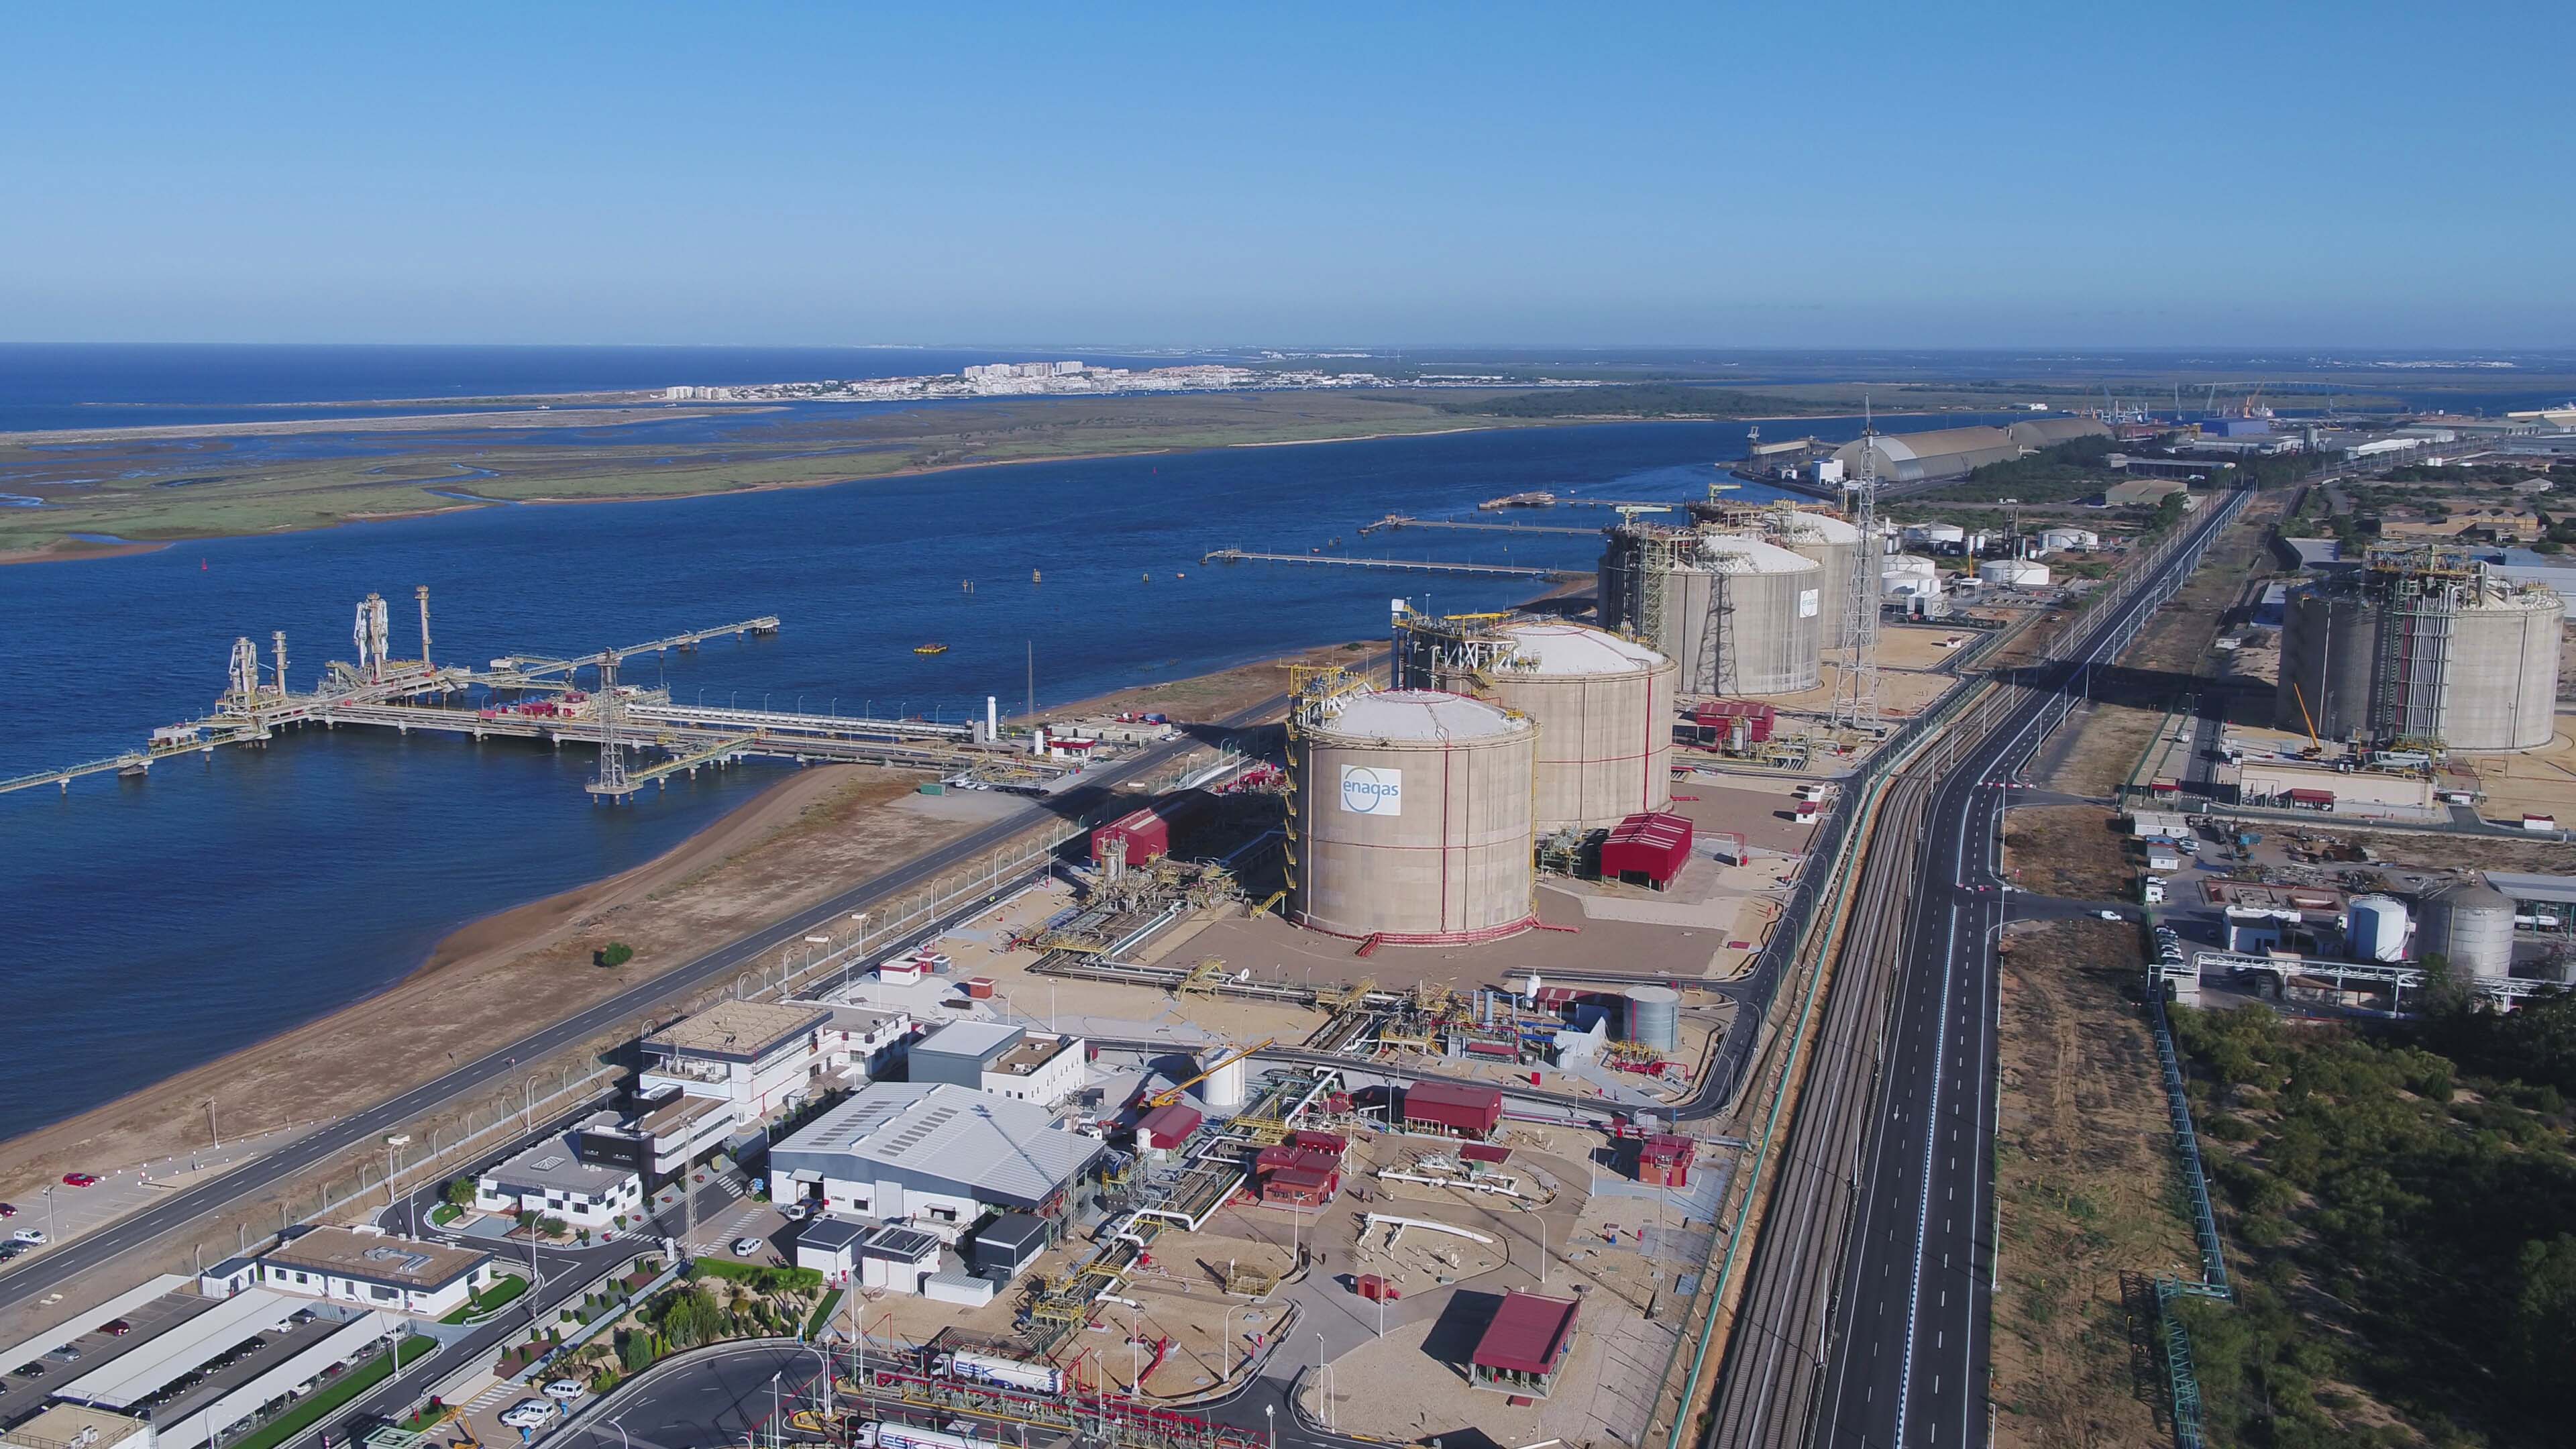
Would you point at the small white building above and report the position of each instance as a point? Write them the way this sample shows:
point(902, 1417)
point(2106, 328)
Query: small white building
point(762, 1056)
point(1007, 1061)
point(358, 1265)
point(78, 1426)
point(552, 1181)
point(759, 1055)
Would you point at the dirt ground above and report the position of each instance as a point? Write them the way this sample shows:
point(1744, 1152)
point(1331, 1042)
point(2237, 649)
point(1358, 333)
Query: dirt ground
point(2426, 850)
point(2085, 1182)
point(2069, 850)
point(2542, 782)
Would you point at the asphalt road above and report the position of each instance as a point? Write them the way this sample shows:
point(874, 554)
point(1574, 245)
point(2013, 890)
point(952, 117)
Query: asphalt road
point(1908, 1363)
point(40, 1273)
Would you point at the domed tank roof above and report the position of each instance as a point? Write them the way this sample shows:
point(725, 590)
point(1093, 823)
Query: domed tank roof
point(1736, 553)
point(2471, 894)
point(1561, 649)
point(1420, 715)
point(1800, 526)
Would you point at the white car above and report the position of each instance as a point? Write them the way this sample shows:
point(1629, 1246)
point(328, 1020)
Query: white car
point(32, 1237)
point(745, 1247)
point(528, 1414)
point(564, 1390)
point(2111, 915)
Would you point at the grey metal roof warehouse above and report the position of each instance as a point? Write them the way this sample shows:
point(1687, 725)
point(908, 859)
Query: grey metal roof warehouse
point(1923, 457)
point(960, 1051)
point(944, 1138)
point(2556, 889)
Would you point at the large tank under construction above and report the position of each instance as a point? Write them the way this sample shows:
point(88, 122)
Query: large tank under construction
point(1410, 817)
point(1603, 705)
point(2428, 647)
point(1741, 616)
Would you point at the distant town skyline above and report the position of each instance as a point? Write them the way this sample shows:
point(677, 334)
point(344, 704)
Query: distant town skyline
point(1862, 175)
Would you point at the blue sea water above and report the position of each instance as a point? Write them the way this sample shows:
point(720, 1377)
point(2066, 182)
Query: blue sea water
point(148, 926)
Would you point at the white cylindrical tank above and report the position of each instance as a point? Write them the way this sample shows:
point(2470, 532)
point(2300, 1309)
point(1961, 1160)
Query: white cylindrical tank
point(1224, 1088)
point(1938, 534)
point(1744, 617)
point(1911, 585)
point(2059, 540)
point(2440, 652)
point(1412, 818)
point(1654, 1017)
point(2472, 924)
point(2015, 573)
point(1603, 706)
point(2376, 928)
point(1835, 546)
point(1912, 563)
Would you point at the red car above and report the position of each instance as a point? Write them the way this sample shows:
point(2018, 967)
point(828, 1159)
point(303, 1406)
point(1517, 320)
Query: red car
point(116, 1328)
point(8, 1210)
point(80, 1179)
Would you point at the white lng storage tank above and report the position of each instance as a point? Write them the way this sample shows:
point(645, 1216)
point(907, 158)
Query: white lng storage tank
point(1603, 706)
point(1411, 817)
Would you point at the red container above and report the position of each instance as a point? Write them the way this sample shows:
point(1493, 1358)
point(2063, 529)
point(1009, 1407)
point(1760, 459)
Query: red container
point(980, 987)
point(1654, 845)
point(1471, 1111)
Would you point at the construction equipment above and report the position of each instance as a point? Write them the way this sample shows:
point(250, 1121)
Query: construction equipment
point(2316, 748)
point(1167, 1098)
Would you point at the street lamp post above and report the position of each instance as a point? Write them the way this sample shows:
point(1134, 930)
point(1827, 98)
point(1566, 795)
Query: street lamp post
point(1270, 1414)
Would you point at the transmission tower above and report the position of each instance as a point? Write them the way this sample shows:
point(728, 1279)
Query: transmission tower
point(1856, 692)
point(612, 753)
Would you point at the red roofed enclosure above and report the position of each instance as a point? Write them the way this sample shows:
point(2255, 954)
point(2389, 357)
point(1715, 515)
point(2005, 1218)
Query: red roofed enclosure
point(1652, 848)
point(1525, 1344)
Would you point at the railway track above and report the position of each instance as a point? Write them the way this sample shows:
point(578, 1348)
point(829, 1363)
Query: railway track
point(1776, 1353)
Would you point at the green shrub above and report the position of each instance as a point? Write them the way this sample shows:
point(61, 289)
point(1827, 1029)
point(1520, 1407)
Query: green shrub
point(615, 953)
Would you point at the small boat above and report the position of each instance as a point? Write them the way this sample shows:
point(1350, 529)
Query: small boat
point(929, 648)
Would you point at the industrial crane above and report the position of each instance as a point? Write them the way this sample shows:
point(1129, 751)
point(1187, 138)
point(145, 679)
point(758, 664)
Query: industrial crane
point(1178, 1090)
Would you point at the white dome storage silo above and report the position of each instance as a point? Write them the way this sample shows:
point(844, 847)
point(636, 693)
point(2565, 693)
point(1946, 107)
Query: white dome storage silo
point(1411, 818)
point(1745, 618)
point(2013, 573)
point(1223, 1089)
point(2375, 927)
point(1835, 546)
point(2471, 924)
point(1603, 706)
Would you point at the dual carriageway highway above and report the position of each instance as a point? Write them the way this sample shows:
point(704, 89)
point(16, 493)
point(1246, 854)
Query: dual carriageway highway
point(1868, 1312)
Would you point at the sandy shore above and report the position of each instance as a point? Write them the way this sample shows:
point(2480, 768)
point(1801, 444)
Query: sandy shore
point(75, 550)
point(485, 983)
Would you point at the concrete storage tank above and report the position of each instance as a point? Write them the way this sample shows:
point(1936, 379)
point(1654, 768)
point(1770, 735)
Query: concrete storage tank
point(1835, 546)
point(2472, 924)
point(2013, 573)
point(1411, 817)
point(1739, 616)
point(1603, 706)
point(2423, 646)
point(2376, 926)
point(1654, 1017)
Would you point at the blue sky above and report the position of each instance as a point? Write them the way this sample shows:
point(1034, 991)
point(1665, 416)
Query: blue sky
point(2356, 175)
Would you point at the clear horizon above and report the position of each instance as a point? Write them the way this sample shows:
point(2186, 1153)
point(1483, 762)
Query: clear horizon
point(1849, 177)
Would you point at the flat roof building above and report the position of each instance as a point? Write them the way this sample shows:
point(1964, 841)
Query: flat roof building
point(552, 1180)
point(1007, 1061)
point(933, 1151)
point(375, 1269)
point(1453, 1107)
point(1525, 1345)
point(78, 1426)
point(760, 1055)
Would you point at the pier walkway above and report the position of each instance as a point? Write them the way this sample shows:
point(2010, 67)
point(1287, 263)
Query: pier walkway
point(1399, 565)
point(1398, 520)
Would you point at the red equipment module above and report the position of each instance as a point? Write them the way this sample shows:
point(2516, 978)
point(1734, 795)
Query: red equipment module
point(1148, 832)
point(1653, 846)
point(1721, 714)
point(1468, 1111)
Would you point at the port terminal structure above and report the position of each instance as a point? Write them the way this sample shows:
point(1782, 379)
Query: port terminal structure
point(538, 697)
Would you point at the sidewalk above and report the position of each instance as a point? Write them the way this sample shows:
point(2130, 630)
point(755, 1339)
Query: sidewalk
point(64, 1212)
